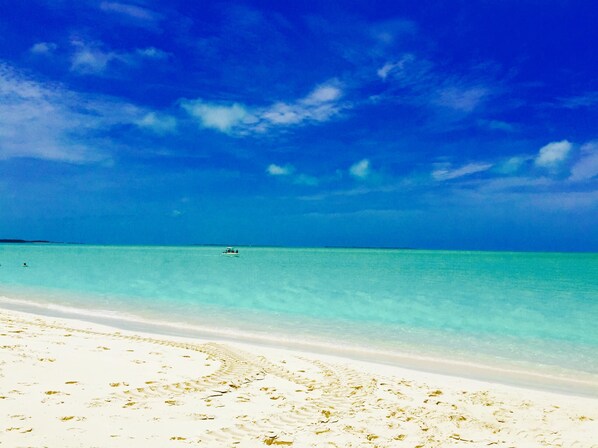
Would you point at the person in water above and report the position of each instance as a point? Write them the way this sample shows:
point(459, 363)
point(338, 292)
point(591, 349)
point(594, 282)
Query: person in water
point(25, 265)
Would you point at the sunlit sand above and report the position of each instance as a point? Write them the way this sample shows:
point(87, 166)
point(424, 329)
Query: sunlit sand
point(70, 383)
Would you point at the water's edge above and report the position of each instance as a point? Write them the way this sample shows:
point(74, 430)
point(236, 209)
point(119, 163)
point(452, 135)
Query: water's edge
point(566, 382)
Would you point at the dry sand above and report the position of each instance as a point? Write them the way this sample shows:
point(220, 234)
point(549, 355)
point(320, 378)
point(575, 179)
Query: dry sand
point(68, 383)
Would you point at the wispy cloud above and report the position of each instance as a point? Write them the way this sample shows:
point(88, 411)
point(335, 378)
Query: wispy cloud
point(407, 72)
point(158, 123)
point(464, 99)
point(152, 53)
point(389, 31)
point(397, 68)
point(47, 121)
point(277, 170)
point(366, 213)
point(306, 179)
point(320, 105)
point(588, 99)
point(497, 125)
point(361, 190)
point(512, 183)
point(562, 200)
point(136, 14)
point(512, 165)
point(288, 172)
point(90, 58)
point(360, 169)
point(587, 166)
point(419, 81)
point(221, 117)
point(447, 172)
point(43, 48)
point(552, 154)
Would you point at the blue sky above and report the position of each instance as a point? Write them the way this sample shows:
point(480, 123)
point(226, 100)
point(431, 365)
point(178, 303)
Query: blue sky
point(466, 124)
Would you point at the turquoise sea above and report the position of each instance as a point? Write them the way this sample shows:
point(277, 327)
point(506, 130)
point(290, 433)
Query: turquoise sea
point(517, 317)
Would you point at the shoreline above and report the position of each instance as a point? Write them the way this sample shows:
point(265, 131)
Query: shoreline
point(68, 382)
point(577, 383)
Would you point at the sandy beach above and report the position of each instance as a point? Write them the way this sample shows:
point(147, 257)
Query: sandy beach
point(69, 383)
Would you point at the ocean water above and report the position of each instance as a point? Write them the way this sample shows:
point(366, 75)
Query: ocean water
point(533, 314)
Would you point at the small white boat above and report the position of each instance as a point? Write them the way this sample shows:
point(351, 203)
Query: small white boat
point(231, 252)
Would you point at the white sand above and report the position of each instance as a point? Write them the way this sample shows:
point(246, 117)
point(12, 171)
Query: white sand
point(67, 383)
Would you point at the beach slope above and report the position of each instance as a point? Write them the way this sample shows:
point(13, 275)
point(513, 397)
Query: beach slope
point(69, 383)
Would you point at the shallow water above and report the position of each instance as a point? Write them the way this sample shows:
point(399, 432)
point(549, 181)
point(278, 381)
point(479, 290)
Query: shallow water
point(532, 310)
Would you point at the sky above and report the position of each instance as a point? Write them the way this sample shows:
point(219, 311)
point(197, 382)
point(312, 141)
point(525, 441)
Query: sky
point(426, 124)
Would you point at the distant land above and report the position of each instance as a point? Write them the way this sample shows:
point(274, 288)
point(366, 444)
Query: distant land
point(16, 241)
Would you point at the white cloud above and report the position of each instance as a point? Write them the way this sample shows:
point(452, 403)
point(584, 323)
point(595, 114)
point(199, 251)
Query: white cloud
point(43, 48)
point(288, 171)
point(322, 94)
point(385, 70)
point(553, 153)
point(396, 68)
point(159, 123)
point(152, 53)
point(90, 59)
point(360, 169)
point(14, 87)
point(513, 164)
point(320, 105)
point(216, 116)
point(281, 113)
point(277, 170)
point(587, 166)
point(446, 173)
point(47, 121)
